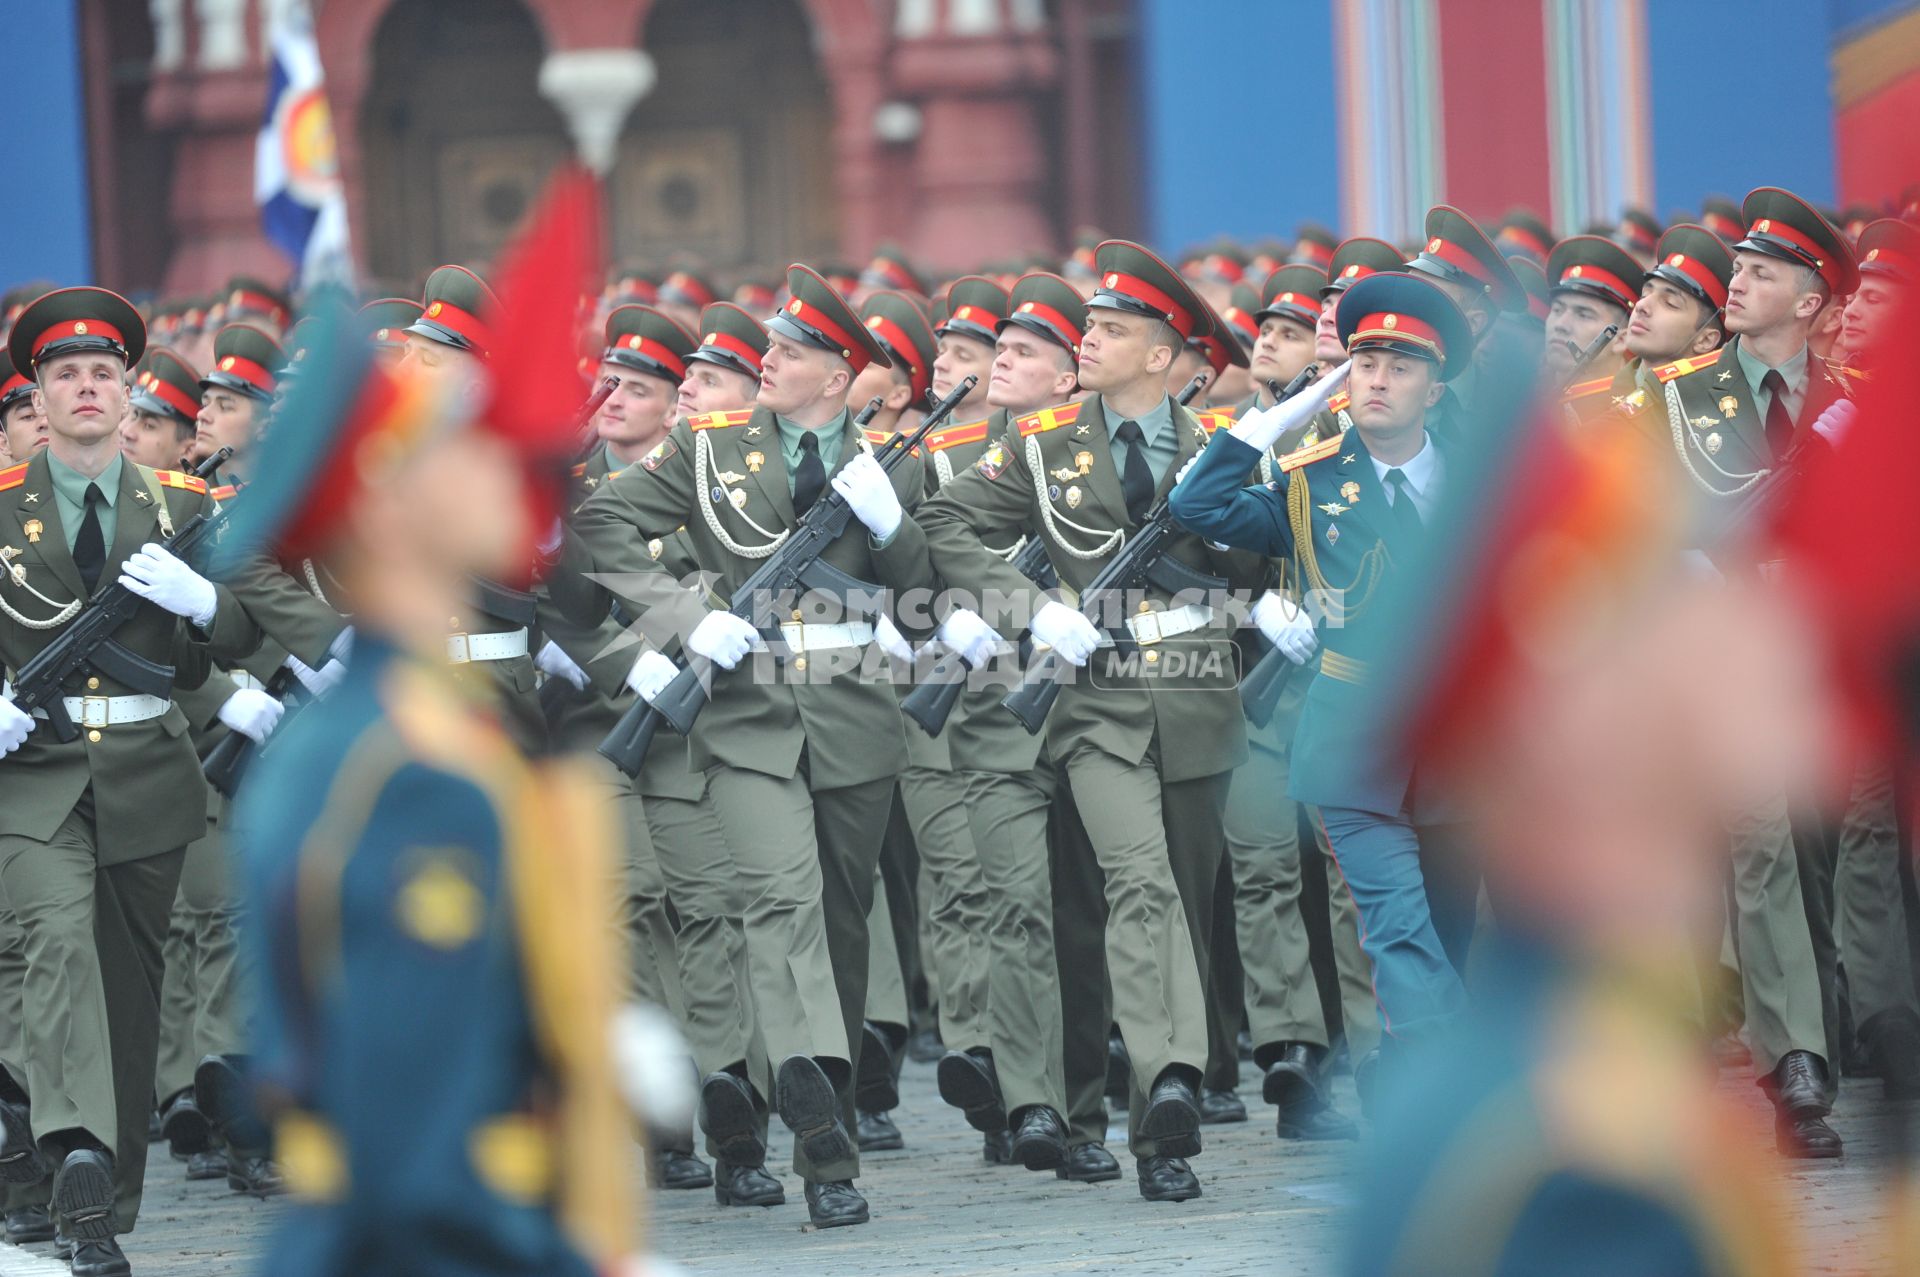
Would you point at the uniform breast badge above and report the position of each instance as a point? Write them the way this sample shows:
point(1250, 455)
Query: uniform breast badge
point(737, 498)
point(1083, 462)
point(755, 460)
point(1728, 405)
point(1073, 498)
point(1333, 533)
point(730, 476)
point(33, 529)
point(1334, 507)
point(1349, 492)
point(1067, 474)
point(1713, 442)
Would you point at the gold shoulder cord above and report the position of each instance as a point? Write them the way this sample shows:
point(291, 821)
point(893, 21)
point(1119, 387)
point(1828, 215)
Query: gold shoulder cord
point(1373, 564)
point(1110, 541)
point(702, 474)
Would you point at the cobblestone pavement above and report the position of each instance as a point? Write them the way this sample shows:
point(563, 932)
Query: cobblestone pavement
point(938, 1211)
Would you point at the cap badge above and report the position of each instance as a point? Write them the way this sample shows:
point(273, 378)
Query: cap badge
point(1351, 271)
point(793, 307)
point(1678, 259)
point(1872, 253)
point(1111, 280)
point(709, 339)
point(1027, 307)
point(633, 342)
point(380, 334)
point(1433, 245)
point(1287, 298)
point(81, 328)
point(1575, 272)
point(1391, 321)
point(1763, 225)
point(873, 321)
point(433, 310)
point(226, 365)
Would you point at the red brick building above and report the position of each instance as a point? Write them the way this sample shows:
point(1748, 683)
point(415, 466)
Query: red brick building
point(766, 129)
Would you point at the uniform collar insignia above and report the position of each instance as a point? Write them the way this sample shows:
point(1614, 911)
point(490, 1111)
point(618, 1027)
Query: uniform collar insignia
point(30, 498)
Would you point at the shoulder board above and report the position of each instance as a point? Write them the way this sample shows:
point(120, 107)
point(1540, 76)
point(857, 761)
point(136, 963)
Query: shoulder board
point(223, 492)
point(1581, 389)
point(876, 438)
point(1049, 418)
point(1842, 372)
point(1681, 367)
point(175, 479)
point(1339, 402)
point(1311, 453)
point(709, 420)
point(579, 469)
point(952, 436)
point(1212, 419)
point(13, 476)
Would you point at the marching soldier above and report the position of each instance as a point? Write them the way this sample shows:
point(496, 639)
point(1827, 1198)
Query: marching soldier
point(723, 375)
point(249, 300)
point(166, 406)
point(975, 306)
point(1522, 234)
point(431, 907)
point(1889, 251)
point(684, 294)
point(1592, 288)
point(236, 393)
point(1470, 270)
point(1288, 316)
point(385, 321)
point(1147, 756)
point(801, 758)
point(22, 420)
point(93, 830)
point(1339, 508)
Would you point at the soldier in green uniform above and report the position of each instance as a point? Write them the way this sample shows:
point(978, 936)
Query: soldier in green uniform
point(801, 753)
point(166, 403)
point(1234, 383)
point(645, 354)
point(1147, 753)
point(385, 320)
point(92, 831)
point(1593, 287)
point(723, 375)
point(1735, 415)
point(22, 420)
point(684, 294)
point(451, 340)
point(1470, 269)
point(1288, 315)
point(975, 306)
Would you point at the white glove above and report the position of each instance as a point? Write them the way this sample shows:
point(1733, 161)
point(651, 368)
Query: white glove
point(317, 682)
point(1286, 625)
point(891, 640)
point(723, 638)
point(252, 713)
point(1181, 473)
point(1262, 426)
point(164, 581)
point(15, 724)
point(1067, 632)
point(869, 493)
point(969, 636)
point(1833, 424)
point(341, 649)
point(651, 674)
point(555, 663)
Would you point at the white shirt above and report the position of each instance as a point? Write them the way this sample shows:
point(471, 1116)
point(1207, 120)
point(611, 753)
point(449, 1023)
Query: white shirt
point(1424, 474)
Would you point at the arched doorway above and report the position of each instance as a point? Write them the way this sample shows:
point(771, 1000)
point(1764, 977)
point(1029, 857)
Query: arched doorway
point(730, 157)
point(456, 136)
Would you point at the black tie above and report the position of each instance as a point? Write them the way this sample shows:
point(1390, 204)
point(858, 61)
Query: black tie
point(1405, 513)
point(1779, 420)
point(1136, 477)
point(90, 548)
point(811, 477)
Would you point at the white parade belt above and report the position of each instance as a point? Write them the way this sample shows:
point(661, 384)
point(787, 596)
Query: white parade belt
point(110, 711)
point(1149, 628)
point(504, 646)
point(813, 638)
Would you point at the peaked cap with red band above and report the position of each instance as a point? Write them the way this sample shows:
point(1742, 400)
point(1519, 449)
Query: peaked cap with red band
point(70, 321)
point(386, 320)
point(642, 339)
point(975, 307)
point(1458, 251)
point(246, 360)
point(1696, 261)
point(1293, 293)
point(1781, 224)
point(1237, 320)
point(1407, 315)
point(1890, 247)
point(13, 386)
point(457, 310)
point(1313, 246)
point(1049, 307)
point(731, 338)
point(166, 386)
point(891, 269)
point(685, 288)
point(1534, 279)
point(1639, 231)
point(1135, 281)
point(1357, 258)
point(1597, 268)
point(815, 315)
point(1522, 234)
point(902, 329)
point(245, 295)
point(1218, 345)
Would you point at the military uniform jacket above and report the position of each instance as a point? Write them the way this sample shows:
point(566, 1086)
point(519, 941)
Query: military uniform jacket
point(606, 652)
point(1715, 427)
point(148, 793)
point(1059, 480)
point(722, 478)
point(1330, 493)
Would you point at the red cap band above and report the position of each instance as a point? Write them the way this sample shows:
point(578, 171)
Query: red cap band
point(1313, 253)
point(1216, 352)
point(246, 370)
point(1828, 267)
point(14, 384)
point(171, 395)
point(1526, 239)
point(1395, 327)
point(813, 317)
point(892, 274)
point(1243, 323)
point(1460, 259)
point(245, 298)
point(1722, 225)
point(1585, 273)
point(656, 351)
point(1141, 291)
point(904, 352)
point(1303, 301)
point(1220, 266)
point(1065, 330)
point(1696, 270)
point(689, 288)
point(734, 346)
point(77, 328)
point(465, 323)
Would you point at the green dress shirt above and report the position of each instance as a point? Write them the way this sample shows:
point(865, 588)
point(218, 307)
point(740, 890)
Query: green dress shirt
point(70, 494)
point(1156, 429)
point(792, 432)
point(1793, 372)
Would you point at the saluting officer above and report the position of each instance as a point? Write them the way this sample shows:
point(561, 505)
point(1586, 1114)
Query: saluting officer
point(800, 756)
point(1147, 752)
point(92, 830)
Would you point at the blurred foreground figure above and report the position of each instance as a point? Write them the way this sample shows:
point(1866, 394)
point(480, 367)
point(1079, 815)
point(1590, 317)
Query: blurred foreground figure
point(1570, 1123)
point(435, 1036)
